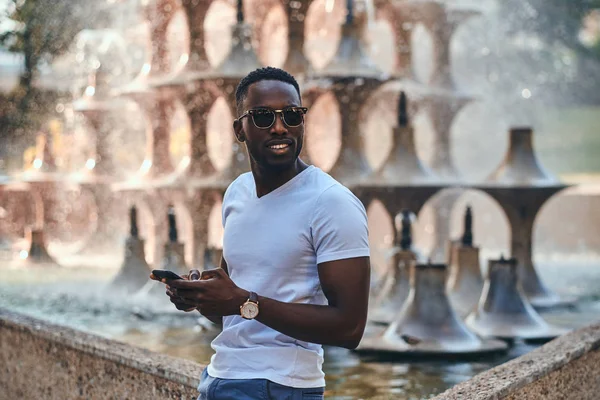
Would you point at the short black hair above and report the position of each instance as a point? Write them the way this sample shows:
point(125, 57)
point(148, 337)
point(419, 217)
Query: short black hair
point(263, 74)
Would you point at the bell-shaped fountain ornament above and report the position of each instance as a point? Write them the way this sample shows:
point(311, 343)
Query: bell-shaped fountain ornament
point(521, 186)
point(520, 166)
point(403, 156)
point(394, 287)
point(41, 179)
point(173, 260)
point(42, 167)
point(43, 153)
point(427, 325)
point(503, 310)
point(351, 59)
point(242, 58)
point(296, 62)
point(97, 94)
point(465, 281)
point(134, 272)
point(37, 255)
point(95, 105)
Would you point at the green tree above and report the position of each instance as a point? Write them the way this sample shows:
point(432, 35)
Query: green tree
point(558, 23)
point(43, 30)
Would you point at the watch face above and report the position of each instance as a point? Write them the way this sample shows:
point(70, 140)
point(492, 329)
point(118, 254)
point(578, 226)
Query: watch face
point(250, 310)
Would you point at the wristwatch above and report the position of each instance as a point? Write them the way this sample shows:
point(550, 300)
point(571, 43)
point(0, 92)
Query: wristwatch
point(249, 310)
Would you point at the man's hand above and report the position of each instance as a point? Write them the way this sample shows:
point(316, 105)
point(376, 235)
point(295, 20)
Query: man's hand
point(180, 303)
point(214, 294)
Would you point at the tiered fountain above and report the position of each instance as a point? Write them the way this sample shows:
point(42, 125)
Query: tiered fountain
point(192, 189)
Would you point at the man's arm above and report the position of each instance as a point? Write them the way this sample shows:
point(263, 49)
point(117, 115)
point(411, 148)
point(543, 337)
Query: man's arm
point(345, 283)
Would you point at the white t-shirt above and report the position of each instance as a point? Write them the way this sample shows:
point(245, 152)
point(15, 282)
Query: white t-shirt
point(272, 246)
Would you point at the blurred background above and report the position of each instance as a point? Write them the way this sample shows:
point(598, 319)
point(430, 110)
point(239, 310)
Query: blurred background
point(525, 63)
point(530, 62)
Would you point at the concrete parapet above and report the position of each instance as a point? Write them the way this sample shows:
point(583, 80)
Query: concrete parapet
point(42, 360)
point(565, 368)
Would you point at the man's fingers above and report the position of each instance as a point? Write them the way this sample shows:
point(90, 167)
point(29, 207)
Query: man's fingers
point(185, 295)
point(193, 295)
point(184, 284)
point(184, 307)
point(181, 305)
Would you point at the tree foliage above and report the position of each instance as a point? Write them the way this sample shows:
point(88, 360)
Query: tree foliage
point(43, 30)
point(555, 21)
point(569, 69)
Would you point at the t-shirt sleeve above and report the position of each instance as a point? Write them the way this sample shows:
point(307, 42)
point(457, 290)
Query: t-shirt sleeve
point(339, 226)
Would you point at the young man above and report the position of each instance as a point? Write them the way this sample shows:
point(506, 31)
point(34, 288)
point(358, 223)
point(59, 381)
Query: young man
point(295, 268)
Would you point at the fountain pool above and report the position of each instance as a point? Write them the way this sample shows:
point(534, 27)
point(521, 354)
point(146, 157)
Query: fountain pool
point(77, 297)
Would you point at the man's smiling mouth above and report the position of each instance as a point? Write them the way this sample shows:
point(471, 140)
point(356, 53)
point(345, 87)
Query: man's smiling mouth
point(279, 146)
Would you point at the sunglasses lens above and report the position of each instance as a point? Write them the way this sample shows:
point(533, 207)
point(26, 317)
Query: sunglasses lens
point(293, 117)
point(263, 118)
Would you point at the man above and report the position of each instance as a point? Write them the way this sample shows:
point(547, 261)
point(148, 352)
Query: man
point(295, 268)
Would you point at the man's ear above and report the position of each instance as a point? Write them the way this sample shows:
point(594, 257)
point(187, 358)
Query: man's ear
point(238, 129)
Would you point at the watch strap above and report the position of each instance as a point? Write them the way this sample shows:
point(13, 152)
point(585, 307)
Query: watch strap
point(253, 297)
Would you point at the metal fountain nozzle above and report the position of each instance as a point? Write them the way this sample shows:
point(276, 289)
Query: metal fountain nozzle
point(428, 319)
point(242, 58)
point(172, 224)
point(240, 11)
point(351, 59)
point(521, 166)
point(504, 311)
point(467, 238)
point(403, 155)
point(133, 225)
point(403, 120)
point(465, 281)
point(406, 230)
point(134, 271)
point(174, 255)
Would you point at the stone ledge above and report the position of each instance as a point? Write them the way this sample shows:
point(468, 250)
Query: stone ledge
point(173, 369)
point(506, 379)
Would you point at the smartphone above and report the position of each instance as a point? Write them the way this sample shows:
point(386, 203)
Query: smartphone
point(165, 274)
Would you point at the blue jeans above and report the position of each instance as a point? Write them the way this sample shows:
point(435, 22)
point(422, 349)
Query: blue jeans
point(211, 388)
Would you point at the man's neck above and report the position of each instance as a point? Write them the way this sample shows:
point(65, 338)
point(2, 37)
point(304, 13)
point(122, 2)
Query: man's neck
point(267, 180)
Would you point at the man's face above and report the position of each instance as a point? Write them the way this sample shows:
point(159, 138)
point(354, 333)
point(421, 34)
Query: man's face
point(278, 146)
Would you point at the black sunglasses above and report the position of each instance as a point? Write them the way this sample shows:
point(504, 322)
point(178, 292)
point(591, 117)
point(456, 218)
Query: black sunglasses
point(264, 118)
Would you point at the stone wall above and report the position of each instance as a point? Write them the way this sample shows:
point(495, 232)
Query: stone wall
point(39, 360)
point(566, 368)
point(44, 361)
